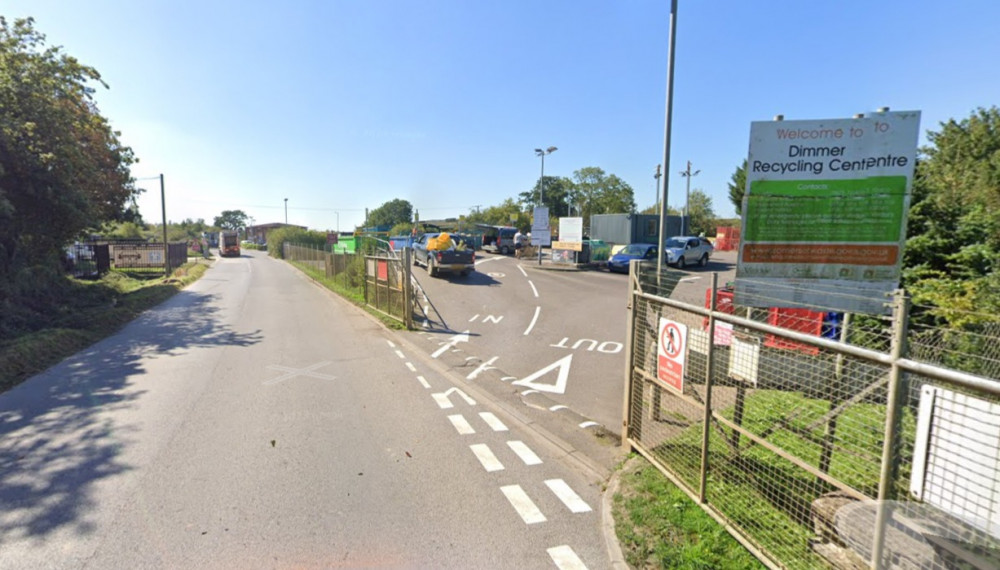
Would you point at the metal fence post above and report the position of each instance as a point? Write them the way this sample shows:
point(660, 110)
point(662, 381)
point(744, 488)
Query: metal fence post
point(890, 447)
point(629, 358)
point(706, 428)
point(407, 290)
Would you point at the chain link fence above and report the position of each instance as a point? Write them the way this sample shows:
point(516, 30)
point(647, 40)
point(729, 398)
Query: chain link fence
point(381, 278)
point(821, 439)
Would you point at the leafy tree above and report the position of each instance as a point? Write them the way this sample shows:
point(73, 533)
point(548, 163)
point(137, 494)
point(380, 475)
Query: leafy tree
point(598, 193)
point(702, 216)
point(231, 220)
point(737, 186)
point(390, 213)
point(62, 167)
point(502, 214)
point(953, 244)
point(556, 195)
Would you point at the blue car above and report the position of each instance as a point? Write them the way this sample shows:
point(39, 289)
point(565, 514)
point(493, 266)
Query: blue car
point(643, 251)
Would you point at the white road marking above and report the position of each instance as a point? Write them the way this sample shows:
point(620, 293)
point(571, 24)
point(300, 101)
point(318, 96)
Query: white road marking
point(589, 424)
point(533, 290)
point(423, 382)
point(533, 319)
point(411, 367)
point(506, 378)
point(391, 344)
point(400, 354)
point(688, 279)
point(444, 403)
point(524, 452)
point(569, 498)
point(522, 271)
point(293, 372)
point(451, 342)
point(565, 558)
point(562, 377)
point(522, 504)
point(558, 407)
point(493, 421)
point(526, 392)
point(476, 316)
point(482, 368)
point(461, 424)
point(486, 457)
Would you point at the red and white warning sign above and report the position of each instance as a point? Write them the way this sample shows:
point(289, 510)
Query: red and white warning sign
point(670, 351)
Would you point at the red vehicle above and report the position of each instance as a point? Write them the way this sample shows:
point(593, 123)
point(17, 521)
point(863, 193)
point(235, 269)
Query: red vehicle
point(229, 244)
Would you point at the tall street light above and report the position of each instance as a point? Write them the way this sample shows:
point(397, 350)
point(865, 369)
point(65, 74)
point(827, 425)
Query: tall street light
point(685, 221)
point(286, 211)
point(666, 137)
point(657, 177)
point(541, 180)
point(541, 191)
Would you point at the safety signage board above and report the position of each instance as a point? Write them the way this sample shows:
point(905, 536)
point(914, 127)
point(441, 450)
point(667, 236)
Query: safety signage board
point(671, 348)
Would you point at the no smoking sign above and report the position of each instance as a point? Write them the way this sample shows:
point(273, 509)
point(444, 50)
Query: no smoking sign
point(670, 351)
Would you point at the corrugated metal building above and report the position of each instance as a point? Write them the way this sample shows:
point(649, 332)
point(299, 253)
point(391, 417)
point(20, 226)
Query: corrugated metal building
point(622, 229)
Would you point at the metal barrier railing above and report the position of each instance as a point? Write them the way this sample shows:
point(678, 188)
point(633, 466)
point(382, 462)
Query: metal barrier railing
point(807, 433)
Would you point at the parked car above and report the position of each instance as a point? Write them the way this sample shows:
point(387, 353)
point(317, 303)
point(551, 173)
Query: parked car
point(499, 239)
point(687, 250)
point(643, 251)
point(452, 257)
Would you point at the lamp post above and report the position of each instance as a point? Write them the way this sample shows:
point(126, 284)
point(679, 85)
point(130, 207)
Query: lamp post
point(541, 191)
point(685, 221)
point(666, 136)
point(338, 223)
point(286, 211)
point(657, 177)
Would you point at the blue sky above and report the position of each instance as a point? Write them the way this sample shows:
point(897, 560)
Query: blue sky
point(341, 106)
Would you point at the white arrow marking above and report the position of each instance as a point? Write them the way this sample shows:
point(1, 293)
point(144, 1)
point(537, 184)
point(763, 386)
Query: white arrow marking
point(482, 368)
point(560, 385)
point(443, 402)
point(461, 337)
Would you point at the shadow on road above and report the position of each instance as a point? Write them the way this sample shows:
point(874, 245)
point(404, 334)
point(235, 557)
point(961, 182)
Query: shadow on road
point(62, 431)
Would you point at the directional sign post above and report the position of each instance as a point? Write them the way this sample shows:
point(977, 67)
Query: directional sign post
point(670, 351)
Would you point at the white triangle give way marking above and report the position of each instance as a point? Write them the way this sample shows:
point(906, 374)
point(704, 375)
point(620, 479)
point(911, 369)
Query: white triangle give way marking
point(560, 385)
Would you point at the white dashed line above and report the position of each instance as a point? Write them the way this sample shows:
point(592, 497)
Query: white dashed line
point(442, 401)
point(411, 367)
point(486, 457)
point(565, 558)
point(391, 344)
point(527, 392)
point(522, 504)
point(533, 319)
point(569, 498)
point(462, 426)
point(558, 407)
point(533, 290)
point(400, 354)
point(493, 421)
point(476, 316)
point(423, 382)
point(524, 452)
point(523, 272)
point(589, 424)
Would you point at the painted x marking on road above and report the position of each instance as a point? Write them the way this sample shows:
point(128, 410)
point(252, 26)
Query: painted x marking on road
point(293, 372)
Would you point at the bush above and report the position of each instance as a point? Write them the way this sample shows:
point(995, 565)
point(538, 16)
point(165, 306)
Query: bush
point(276, 239)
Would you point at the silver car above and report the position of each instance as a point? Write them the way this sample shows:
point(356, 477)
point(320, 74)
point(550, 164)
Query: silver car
point(687, 250)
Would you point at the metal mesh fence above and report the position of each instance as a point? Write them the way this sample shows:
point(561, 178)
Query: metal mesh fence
point(792, 452)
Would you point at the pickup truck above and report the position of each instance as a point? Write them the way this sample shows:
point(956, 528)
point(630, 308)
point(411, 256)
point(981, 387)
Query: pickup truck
point(455, 257)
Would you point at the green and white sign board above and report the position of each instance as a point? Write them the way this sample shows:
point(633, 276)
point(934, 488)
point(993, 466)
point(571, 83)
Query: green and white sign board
point(824, 212)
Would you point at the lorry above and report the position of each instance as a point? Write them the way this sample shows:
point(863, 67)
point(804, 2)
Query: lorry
point(229, 243)
point(438, 252)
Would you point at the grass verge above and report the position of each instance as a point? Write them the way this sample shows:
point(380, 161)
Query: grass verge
point(659, 526)
point(89, 312)
point(343, 286)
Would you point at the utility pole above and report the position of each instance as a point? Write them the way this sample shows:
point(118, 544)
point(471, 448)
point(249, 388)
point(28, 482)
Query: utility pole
point(286, 211)
point(166, 248)
point(685, 221)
